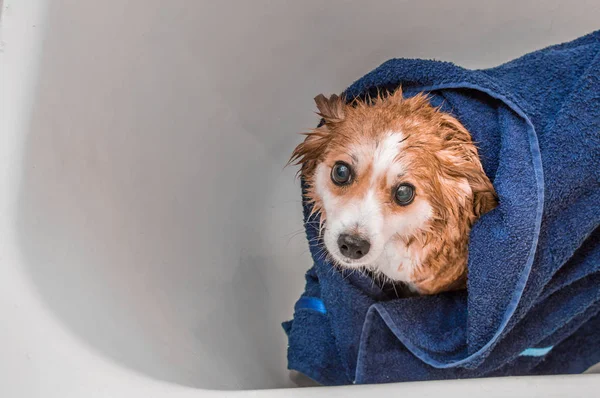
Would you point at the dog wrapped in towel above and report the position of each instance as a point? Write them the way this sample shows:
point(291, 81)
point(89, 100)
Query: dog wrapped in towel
point(532, 305)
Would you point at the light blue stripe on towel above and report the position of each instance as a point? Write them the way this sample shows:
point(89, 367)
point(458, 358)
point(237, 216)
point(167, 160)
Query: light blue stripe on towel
point(536, 352)
point(311, 303)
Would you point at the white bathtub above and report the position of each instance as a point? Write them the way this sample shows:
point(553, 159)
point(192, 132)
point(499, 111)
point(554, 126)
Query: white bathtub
point(150, 240)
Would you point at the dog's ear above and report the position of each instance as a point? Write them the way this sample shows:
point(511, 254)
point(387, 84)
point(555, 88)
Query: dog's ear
point(460, 147)
point(330, 109)
point(311, 150)
point(484, 195)
point(309, 153)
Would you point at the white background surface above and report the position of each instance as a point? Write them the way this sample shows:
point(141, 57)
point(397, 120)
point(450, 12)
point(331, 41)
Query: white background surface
point(148, 240)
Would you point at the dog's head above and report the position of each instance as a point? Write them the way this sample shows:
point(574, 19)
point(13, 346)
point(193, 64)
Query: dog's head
point(397, 184)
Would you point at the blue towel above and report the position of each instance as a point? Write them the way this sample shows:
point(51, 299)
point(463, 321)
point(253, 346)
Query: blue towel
point(533, 299)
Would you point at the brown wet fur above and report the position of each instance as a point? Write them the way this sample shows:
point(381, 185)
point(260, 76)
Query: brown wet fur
point(440, 156)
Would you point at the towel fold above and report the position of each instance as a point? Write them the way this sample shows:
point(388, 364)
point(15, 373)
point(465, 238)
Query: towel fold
point(533, 300)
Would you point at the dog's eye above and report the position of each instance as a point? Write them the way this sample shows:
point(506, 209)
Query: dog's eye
point(405, 194)
point(341, 174)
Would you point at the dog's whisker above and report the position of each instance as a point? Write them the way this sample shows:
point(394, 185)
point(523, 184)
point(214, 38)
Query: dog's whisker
point(349, 274)
point(294, 235)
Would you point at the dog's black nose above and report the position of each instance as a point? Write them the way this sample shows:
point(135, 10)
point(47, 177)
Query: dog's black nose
point(353, 246)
